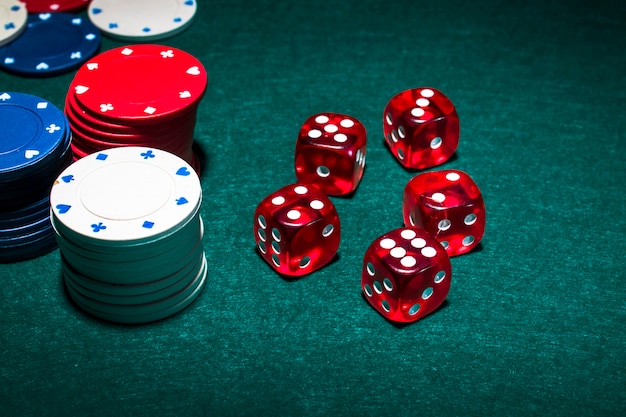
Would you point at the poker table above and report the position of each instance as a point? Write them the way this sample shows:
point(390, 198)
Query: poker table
point(535, 320)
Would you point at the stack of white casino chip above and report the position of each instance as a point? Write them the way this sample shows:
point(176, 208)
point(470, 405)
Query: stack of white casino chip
point(129, 230)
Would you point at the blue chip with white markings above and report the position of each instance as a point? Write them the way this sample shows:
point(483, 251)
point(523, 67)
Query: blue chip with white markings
point(33, 131)
point(53, 43)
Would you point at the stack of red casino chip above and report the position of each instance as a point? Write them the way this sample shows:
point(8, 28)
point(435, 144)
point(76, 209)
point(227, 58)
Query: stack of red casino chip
point(137, 95)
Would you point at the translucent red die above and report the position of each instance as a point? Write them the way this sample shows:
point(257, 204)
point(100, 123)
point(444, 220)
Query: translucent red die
point(447, 204)
point(297, 229)
point(421, 128)
point(406, 274)
point(330, 153)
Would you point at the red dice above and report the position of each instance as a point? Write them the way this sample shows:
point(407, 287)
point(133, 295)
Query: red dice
point(406, 274)
point(297, 230)
point(330, 153)
point(447, 204)
point(421, 127)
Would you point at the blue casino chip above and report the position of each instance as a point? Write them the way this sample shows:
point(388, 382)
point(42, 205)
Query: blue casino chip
point(24, 216)
point(27, 248)
point(53, 43)
point(33, 131)
point(18, 194)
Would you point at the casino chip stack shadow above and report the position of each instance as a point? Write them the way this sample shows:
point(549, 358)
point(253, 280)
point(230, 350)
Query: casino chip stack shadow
point(137, 95)
point(128, 225)
point(34, 149)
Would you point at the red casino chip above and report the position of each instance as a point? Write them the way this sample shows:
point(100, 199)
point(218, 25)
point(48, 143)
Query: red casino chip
point(44, 6)
point(137, 95)
point(140, 84)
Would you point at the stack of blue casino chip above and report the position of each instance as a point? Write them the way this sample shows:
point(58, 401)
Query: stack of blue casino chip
point(129, 231)
point(34, 149)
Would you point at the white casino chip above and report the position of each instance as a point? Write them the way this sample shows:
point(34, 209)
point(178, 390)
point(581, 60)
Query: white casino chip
point(13, 16)
point(193, 281)
point(142, 20)
point(141, 272)
point(126, 195)
point(143, 314)
point(143, 293)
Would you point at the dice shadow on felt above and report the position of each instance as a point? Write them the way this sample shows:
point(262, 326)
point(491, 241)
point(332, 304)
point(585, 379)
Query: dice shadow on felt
point(402, 325)
point(452, 158)
point(349, 195)
point(476, 249)
point(290, 278)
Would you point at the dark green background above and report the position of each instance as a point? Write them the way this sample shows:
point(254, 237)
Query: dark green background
point(535, 320)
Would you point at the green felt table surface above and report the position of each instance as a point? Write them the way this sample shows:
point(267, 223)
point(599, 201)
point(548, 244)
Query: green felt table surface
point(534, 324)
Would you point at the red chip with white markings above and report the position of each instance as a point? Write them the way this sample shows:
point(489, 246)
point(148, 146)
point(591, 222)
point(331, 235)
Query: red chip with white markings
point(140, 83)
point(43, 6)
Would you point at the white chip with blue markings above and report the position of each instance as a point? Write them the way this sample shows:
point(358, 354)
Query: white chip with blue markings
point(142, 19)
point(127, 194)
point(13, 17)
